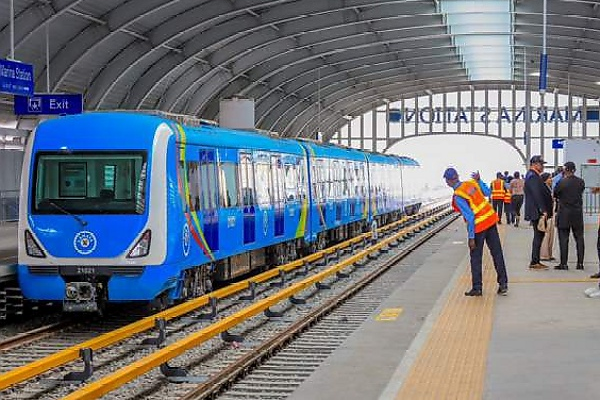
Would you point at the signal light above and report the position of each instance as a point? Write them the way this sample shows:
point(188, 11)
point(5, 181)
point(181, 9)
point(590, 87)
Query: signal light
point(33, 249)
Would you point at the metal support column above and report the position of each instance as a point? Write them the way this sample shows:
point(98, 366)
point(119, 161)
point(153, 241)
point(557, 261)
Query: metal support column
point(513, 113)
point(542, 123)
point(444, 114)
point(499, 122)
point(584, 117)
point(487, 118)
point(374, 132)
point(362, 131)
point(570, 116)
point(349, 133)
point(472, 109)
point(555, 111)
point(387, 124)
point(402, 118)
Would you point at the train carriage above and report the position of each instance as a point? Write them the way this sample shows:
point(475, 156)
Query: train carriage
point(121, 207)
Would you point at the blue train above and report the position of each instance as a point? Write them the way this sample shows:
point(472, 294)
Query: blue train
point(124, 207)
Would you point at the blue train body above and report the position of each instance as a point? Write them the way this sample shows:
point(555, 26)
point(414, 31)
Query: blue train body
point(120, 207)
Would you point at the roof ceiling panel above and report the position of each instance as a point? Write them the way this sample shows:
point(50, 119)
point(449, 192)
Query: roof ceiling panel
point(183, 55)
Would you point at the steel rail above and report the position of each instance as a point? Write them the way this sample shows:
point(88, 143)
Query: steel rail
point(258, 356)
point(70, 354)
point(140, 367)
point(33, 335)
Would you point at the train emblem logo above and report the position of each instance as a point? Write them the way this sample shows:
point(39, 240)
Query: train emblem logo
point(85, 242)
point(186, 240)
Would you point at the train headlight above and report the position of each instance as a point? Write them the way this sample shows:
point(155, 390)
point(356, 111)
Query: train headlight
point(31, 246)
point(142, 247)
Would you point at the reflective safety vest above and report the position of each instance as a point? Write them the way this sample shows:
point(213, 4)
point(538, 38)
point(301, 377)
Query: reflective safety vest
point(497, 189)
point(507, 197)
point(485, 216)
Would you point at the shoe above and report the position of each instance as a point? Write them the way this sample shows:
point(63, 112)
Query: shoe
point(562, 267)
point(538, 266)
point(595, 276)
point(474, 292)
point(579, 266)
point(503, 290)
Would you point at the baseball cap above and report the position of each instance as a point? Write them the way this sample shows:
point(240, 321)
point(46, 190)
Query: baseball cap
point(537, 159)
point(570, 166)
point(450, 173)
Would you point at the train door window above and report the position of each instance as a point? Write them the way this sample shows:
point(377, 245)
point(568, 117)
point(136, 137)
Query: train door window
point(301, 169)
point(318, 178)
point(208, 182)
point(291, 182)
point(246, 180)
point(335, 181)
point(228, 185)
point(276, 179)
point(263, 175)
point(193, 177)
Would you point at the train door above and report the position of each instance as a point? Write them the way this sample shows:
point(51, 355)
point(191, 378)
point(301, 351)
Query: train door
point(248, 198)
point(209, 197)
point(278, 193)
point(336, 182)
point(231, 221)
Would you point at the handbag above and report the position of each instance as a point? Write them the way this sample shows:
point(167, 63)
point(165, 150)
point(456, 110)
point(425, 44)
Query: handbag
point(542, 224)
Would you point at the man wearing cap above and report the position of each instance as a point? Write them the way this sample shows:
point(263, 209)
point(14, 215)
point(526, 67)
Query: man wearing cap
point(470, 199)
point(538, 204)
point(569, 196)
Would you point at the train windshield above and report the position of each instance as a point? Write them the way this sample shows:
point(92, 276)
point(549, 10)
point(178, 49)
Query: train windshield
point(90, 183)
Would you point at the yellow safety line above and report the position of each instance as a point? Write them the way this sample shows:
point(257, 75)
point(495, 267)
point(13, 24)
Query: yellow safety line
point(552, 280)
point(452, 362)
point(62, 357)
point(140, 367)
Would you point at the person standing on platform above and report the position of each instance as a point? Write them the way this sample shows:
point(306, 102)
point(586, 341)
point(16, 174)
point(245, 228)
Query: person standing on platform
point(508, 210)
point(548, 242)
point(498, 187)
point(597, 274)
point(516, 201)
point(558, 175)
point(470, 199)
point(569, 194)
point(538, 205)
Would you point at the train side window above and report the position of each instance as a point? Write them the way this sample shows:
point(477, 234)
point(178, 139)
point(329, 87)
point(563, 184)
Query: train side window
point(301, 179)
point(193, 177)
point(228, 185)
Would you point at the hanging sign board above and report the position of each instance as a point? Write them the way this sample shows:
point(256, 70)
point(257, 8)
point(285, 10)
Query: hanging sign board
point(49, 104)
point(16, 78)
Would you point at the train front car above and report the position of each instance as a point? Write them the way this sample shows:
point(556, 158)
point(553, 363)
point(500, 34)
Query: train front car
point(92, 219)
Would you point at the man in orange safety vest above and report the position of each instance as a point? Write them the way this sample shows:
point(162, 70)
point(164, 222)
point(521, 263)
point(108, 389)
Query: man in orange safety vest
point(470, 200)
point(498, 189)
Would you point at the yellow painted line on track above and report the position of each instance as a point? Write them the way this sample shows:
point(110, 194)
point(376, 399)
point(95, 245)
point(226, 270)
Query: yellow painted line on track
point(452, 361)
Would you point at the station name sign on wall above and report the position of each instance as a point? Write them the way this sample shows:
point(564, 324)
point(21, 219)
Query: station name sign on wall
point(438, 115)
point(16, 77)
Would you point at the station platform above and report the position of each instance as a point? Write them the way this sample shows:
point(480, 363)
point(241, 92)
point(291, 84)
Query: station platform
point(539, 342)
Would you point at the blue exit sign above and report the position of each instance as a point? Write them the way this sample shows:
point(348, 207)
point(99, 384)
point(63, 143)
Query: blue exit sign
point(49, 104)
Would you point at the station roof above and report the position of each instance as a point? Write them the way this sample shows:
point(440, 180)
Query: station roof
point(309, 64)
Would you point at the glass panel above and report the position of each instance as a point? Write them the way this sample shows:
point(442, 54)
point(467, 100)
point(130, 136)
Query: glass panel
point(228, 185)
point(90, 183)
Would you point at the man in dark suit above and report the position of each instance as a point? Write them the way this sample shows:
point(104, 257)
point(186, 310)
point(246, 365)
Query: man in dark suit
point(569, 195)
point(538, 204)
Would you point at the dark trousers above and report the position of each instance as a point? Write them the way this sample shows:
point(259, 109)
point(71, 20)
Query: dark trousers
point(563, 241)
point(536, 245)
point(498, 204)
point(517, 201)
point(491, 237)
point(598, 243)
point(508, 210)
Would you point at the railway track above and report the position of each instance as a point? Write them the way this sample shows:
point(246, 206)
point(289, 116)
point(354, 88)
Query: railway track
point(217, 354)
